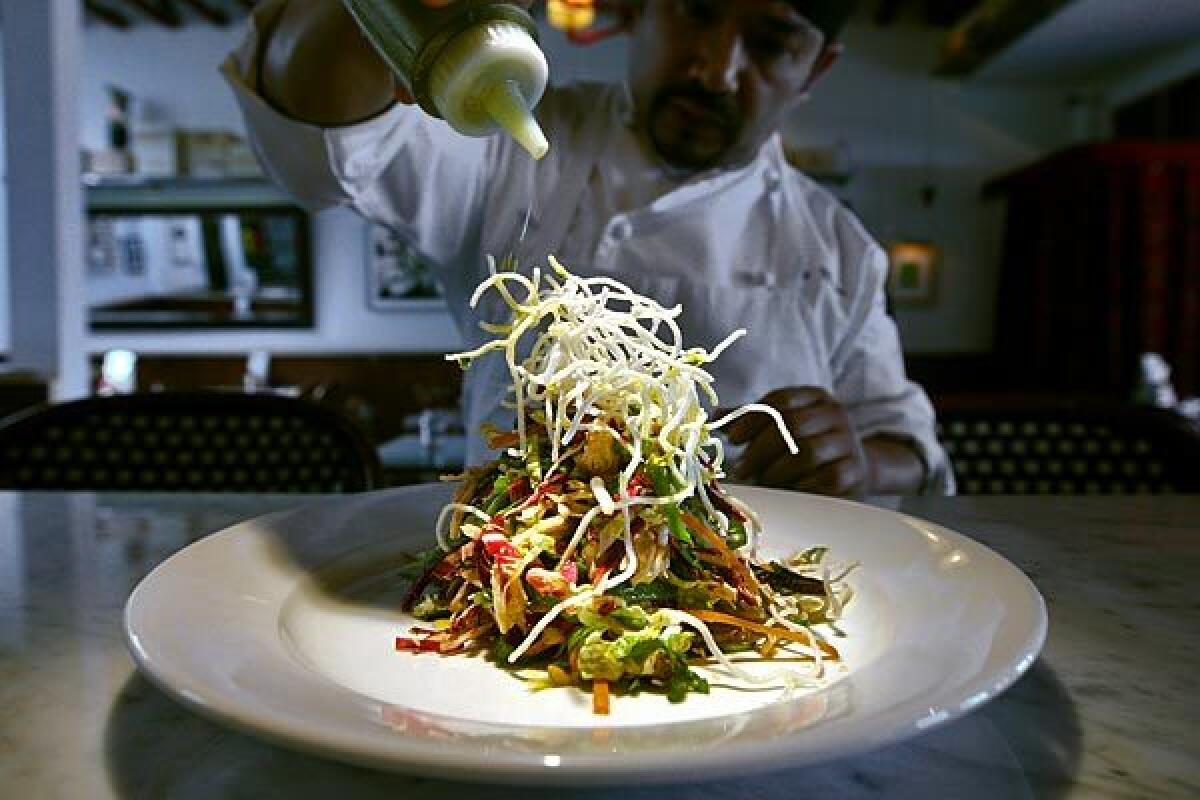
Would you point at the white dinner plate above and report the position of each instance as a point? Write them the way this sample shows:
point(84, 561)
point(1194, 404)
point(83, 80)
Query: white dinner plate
point(284, 626)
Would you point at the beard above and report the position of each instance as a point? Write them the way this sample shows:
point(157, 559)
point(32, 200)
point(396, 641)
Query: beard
point(691, 128)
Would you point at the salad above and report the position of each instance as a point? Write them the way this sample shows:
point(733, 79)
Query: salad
point(598, 550)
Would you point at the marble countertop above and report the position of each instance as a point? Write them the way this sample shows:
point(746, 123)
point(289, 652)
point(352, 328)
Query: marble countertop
point(1107, 712)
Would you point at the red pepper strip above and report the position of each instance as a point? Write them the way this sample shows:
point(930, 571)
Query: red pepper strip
point(548, 582)
point(500, 549)
point(459, 643)
point(547, 485)
point(519, 490)
point(404, 643)
point(483, 559)
point(638, 484)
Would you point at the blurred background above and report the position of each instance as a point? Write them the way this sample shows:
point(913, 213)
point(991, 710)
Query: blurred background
point(1031, 166)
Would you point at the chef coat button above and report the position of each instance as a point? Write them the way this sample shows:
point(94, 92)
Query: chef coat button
point(771, 180)
point(622, 229)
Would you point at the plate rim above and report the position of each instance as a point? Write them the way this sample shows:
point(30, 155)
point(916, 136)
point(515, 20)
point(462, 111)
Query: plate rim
point(445, 760)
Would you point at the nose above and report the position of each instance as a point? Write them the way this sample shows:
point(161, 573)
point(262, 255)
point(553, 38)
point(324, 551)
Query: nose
point(719, 60)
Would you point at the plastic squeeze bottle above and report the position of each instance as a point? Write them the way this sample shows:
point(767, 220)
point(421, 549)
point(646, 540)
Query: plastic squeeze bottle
point(474, 63)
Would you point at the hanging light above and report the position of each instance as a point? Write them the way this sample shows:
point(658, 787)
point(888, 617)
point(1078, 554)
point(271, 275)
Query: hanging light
point(571, 16)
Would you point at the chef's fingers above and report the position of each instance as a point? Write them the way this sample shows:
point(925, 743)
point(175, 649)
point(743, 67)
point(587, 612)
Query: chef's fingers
point(748, 426)
point(769, 446)
point(815, 453)
point(844, 478)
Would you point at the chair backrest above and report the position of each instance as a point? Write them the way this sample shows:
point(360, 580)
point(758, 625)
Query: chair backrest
point(1029, 450)
point(195, 441)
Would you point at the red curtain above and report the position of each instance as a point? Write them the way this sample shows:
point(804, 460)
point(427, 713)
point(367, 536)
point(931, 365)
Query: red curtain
point(1101, 263)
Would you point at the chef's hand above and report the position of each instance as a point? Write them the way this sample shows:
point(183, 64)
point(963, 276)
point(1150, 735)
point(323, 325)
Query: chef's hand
point(317, 66)
point(832, 458)
point(403, 94)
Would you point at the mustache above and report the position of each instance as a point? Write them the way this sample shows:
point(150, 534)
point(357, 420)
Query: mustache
point(722, 105)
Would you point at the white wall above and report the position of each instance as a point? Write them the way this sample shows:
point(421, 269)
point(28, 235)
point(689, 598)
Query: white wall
point(177, 70)
point(45, 231)
point(344, 323)
point(5, 336)
point(904, 129)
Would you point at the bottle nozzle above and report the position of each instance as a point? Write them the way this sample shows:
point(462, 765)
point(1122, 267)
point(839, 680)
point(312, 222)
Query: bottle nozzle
point(507, 106)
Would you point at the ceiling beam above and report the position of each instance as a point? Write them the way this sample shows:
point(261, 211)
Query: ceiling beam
point(213, 14)
point(990, 29)
point(107, 15)
point(162, 11)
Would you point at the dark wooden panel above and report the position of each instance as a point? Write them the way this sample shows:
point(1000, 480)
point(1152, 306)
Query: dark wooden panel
point(161, 11)
point(1102, 264)
point(106, 14)
point(215, 14)
point(988, 30)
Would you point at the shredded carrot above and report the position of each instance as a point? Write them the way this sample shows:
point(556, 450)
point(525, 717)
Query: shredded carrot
point(714, 540)
point(767, 649)
point(600, 701)
point(497, 440)
point(767, 630)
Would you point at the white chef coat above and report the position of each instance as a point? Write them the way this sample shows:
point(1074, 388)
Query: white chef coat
point(760, 247)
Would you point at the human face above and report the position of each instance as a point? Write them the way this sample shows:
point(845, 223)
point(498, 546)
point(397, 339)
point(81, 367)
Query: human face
point(712, 80)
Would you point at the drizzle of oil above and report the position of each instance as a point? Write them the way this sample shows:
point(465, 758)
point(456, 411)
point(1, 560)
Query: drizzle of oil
point(525, 224)
point(509, 262)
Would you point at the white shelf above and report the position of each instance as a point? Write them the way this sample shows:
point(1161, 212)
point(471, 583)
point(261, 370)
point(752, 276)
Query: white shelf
point(133, 192)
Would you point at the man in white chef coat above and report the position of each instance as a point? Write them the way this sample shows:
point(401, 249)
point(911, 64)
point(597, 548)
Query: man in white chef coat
point(674, 183)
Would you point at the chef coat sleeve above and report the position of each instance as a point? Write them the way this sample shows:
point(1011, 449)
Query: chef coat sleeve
point(402, 168)
point(870, 379)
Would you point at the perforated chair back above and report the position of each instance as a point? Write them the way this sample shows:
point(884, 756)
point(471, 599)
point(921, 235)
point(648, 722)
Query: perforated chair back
point(203, 441)
point(1070, 451)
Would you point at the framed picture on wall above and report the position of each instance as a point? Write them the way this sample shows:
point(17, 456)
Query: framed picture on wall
point(913, 273)
point(398, 277)
point(196, 265)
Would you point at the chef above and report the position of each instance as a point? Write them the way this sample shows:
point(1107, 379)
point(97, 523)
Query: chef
point(674, 183)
